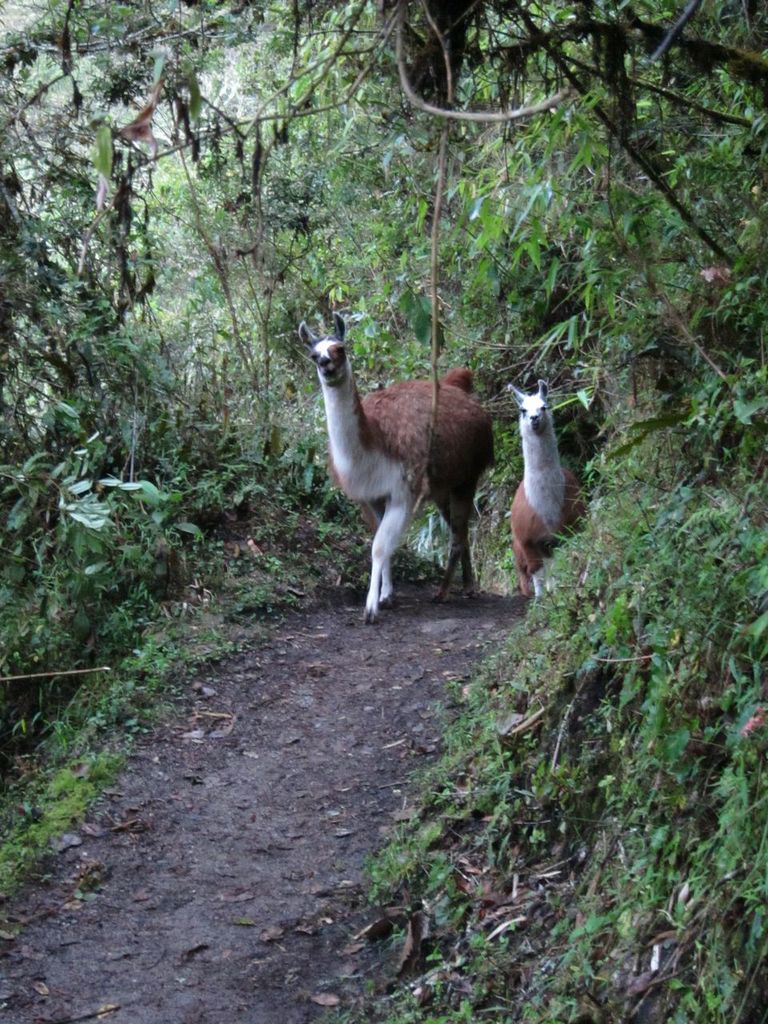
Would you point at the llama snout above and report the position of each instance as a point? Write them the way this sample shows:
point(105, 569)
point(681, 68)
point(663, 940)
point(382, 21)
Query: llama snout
point(537, 423)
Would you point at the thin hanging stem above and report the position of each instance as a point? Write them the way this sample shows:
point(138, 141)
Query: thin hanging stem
point(436, 212)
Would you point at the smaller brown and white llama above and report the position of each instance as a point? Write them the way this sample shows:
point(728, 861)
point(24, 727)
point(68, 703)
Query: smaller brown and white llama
point(548, 501)
point(384, 457)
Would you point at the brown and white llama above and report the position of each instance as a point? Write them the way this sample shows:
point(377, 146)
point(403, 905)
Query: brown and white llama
point(384, 457)
point(548, 500)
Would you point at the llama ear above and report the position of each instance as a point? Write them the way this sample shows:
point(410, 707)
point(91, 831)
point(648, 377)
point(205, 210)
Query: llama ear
point(543, 390)
point(519, 395)
point(341, 327)
point(306, 335)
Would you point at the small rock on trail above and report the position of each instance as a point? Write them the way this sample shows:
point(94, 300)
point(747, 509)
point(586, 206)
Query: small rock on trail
point(221, 879)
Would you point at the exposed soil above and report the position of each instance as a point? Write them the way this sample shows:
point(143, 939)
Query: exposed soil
point(222, 878)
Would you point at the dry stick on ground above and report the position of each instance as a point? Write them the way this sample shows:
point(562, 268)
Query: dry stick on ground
point(55, 672)
point(100, 1014)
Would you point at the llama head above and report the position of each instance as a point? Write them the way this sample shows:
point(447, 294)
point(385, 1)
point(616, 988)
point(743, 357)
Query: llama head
point(534, 411)
point(328, 353)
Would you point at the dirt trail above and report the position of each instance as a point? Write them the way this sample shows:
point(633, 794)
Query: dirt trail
point(221, 880)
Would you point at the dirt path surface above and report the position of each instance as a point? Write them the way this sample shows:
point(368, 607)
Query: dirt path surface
point(221, 879)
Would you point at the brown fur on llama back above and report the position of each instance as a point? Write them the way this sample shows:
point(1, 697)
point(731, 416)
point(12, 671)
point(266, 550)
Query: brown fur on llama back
point(401, 416)
point(459, 377)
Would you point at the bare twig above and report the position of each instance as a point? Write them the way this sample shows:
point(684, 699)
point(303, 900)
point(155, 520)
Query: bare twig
point(100, 1014)
point(436, 212)
point(327, 63)
point(560, 735)
point(28, 102)
point(622, 661)
point(446, 55)
point(528, 723)
point(55, 672)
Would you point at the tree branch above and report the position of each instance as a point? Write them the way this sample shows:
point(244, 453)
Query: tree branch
point(481, 116)
point(688, 12)
point(718, 116)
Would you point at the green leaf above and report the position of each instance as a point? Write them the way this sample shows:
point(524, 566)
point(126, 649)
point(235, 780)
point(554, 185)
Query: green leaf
point(103, 154)
point(759, 626)
point(195, 97)
point(192, 528)
point(160, 59)
point(744, 411)
point(80, 487)
point(18, 515)
point(642, 429)
point(67, 410)
point(554, 267)
point(675, 743)
point(477, 207)
point(92, 520)
point(91, 570)
point(151, 493)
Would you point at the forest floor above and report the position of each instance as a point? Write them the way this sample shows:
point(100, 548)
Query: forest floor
point(222, 877)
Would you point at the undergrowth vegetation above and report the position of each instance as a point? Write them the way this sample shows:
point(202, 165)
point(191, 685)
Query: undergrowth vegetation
point(592, 845)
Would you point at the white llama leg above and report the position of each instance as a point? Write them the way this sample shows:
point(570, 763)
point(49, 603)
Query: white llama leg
point(539, 582)
point(388, 536)
point(387, 590)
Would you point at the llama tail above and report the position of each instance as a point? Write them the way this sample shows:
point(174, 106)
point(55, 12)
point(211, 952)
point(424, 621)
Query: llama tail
point(460, 377)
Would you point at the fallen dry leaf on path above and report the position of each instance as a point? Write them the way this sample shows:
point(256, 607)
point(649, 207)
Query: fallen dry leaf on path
point(194, 735)
point(418, 931)
point(236, 897)
point(325, 999)
point(92, 830)
point(381, 927)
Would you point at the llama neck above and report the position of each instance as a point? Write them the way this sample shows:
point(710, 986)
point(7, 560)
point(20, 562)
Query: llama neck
point(543, 477)
point(346, 424)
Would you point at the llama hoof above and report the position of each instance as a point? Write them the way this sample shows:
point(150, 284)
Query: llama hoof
point(440, 596)
point(387, 602)
point(370, 616)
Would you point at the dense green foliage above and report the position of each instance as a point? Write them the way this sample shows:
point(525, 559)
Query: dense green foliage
point(605, 799)
point(156, 411)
